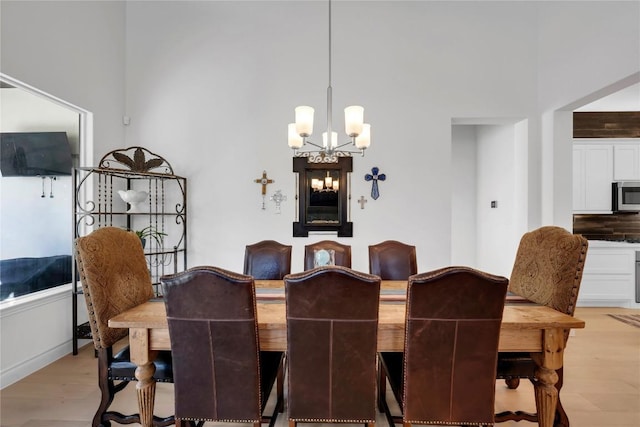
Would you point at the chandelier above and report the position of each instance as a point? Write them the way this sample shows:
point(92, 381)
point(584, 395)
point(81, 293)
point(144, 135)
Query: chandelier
point(355, 128)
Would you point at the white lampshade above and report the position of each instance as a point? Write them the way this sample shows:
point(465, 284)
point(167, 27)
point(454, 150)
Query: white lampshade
point(364, 139)
point(336, 185)
point(353, 120)
point(334, 139)
point(328, 181)
point(295, 140)
point(304, 120)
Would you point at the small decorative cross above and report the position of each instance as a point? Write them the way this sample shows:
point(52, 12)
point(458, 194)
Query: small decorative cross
point(362, 201)
point(278, 198)
point(374, 176)
point(264, 181)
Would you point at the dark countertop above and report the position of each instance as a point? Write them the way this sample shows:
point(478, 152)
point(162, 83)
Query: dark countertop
point(628, 238)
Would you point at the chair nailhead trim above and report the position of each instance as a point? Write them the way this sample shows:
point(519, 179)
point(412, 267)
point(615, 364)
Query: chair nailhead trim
point(330, 420)
point(451, 423)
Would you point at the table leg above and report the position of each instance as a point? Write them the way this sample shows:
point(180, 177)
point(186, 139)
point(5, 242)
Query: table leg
point(146, 386)
point(548, 361)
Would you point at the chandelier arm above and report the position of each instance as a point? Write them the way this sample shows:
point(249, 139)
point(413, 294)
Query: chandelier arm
point(314, 144)
point(356, 151)
point(352, 142)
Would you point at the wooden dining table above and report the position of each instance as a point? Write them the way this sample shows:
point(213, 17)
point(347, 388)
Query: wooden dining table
point(526, 327)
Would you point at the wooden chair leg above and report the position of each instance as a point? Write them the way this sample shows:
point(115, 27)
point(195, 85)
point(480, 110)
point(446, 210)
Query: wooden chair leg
point(382, 386)
point(561, 418)
point(280, 388)
point(292, 423)
point(107, 387)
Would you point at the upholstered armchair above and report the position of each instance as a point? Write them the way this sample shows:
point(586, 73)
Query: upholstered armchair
point(115, 277)
point(326, 252)
point(392, 260)
point(446, 374)
point(547, 270)
point(220, 374)
point(332, 326)
point(267, 260)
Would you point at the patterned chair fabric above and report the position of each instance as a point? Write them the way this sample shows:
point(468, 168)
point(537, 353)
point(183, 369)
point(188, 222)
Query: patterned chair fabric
point(332, 326)
point(115, 277)
point(220, 372)
point(547, 270)
point(333, 253)
point(267, 260)
point(392, 260)
point(446, 374)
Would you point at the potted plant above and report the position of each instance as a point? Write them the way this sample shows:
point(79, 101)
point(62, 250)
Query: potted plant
point(150, 232)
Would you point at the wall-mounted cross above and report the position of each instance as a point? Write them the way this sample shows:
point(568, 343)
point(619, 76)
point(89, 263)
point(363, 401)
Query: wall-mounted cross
point(362, 201)
point(264, 181)
point(374, 177)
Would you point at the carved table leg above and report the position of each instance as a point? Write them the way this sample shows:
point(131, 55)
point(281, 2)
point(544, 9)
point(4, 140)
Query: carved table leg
point(546, 395)
point(146, 386)
point(146, 389)
point(548, 361)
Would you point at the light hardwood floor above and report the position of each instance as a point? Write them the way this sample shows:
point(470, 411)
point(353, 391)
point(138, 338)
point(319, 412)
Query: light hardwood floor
point(602, 384)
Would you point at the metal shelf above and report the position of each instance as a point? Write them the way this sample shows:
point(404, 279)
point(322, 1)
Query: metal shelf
point(96, 204)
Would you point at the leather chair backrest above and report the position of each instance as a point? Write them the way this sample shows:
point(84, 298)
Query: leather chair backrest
point(115, 277)
point(393, 260)
point(214, 342)
point(332, 325)
point(267, 260)
point(451, 345)
point(342, 253)
point(548, 268)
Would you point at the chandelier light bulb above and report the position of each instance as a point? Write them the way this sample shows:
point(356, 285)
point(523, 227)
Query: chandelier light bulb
point(334, 140)
point(364, 139)
point(304, 120)
point(295, 140)
point(353, 120)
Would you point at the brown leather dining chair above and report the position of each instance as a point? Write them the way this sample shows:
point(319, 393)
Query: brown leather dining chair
point(267, 260)
point(392, 260)
point(115, 277)
point(547, 270)
point(220, 374)
point(446, 374)
point(332, 327)
point(327, 252)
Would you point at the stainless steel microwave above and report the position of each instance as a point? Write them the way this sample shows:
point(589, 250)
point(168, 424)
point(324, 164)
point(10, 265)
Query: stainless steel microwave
point(626, 196)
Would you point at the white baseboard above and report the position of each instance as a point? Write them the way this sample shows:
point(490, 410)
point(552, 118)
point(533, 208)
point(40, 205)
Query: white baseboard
point(17, 372)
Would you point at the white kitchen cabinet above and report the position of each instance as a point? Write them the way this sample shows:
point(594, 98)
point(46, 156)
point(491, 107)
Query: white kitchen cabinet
point(592, 178)
point(626, 161)
point(609, 277)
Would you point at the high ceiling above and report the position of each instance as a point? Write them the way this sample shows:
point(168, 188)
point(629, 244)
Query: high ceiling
point(627, 99)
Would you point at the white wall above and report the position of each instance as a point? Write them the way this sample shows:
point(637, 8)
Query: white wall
point(496, 238)
point(192, 87)
point(464, 206)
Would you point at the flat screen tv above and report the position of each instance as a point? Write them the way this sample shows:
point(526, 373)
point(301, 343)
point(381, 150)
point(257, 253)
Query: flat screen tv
point(34, 154)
